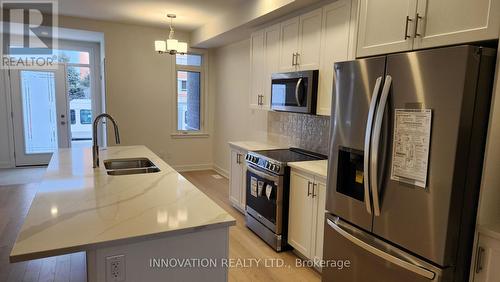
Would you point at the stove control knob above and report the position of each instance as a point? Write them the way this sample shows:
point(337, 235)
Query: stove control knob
point(277, 168)
point(268, 165)
point(247, 157)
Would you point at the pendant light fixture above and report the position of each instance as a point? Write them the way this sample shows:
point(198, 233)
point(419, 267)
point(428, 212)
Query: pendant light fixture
point(172, 46)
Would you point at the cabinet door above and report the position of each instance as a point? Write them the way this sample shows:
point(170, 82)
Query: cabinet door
point(319, 212)
point(272, 41)
point(300, 213)
point(446, 22)
point(289, 44)
point(487, 260)
point(236, 179)
point(309, 40)
point(257, 68)
point(334, 48)
point(382, 26)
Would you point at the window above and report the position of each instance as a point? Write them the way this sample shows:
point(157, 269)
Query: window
point(72, 116)
point(85, 116)
point(189, 72)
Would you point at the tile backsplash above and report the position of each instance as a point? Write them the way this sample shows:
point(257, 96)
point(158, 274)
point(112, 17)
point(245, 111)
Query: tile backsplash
point(308, 132)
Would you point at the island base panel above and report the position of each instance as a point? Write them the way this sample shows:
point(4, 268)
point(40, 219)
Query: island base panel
point(201, 247)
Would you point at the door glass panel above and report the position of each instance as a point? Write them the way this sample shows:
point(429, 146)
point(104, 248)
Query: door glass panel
point(80, 105)
point(39, 111)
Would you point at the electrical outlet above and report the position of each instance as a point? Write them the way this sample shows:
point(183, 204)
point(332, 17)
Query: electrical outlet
point(115, 268)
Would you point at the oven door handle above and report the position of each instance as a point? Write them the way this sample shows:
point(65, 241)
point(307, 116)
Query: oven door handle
point(263, 174)
point(297, 92)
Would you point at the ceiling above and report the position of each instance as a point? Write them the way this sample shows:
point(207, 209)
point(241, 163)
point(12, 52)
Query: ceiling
point(191, 14)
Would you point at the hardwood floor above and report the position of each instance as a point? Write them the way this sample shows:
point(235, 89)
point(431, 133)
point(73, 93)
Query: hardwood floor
point(243, 243)
point(15, 201)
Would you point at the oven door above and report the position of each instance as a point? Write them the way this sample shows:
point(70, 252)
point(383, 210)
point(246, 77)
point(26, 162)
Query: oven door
point(294, 92)
point(264, 197)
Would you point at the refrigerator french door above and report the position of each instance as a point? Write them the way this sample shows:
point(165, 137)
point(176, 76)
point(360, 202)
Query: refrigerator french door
point(426, 222)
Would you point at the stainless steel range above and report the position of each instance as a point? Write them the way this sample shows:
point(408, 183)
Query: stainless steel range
point(267, 185)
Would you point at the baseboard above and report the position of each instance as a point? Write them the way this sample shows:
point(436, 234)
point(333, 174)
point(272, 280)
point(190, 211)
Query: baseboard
point(221, 171)
point(186, 168)
point(6, 165)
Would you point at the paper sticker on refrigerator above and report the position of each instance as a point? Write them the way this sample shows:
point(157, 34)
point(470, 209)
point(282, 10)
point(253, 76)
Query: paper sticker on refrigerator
point(410, 157)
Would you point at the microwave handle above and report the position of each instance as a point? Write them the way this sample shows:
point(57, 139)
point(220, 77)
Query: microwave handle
point(297, 91)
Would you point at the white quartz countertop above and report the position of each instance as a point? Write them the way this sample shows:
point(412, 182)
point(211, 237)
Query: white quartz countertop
point(78, 208)
point(318, 168)
point(492, 230)
point(255, 145)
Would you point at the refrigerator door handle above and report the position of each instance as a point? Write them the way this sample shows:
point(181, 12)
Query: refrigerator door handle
point(368, 136)
point(340, 227)
point(374, 182)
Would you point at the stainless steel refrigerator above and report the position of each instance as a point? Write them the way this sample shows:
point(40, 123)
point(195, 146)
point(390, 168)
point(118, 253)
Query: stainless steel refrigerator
point(407, 142)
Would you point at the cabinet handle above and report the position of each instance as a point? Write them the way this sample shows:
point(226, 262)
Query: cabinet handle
point(308, 188)
point(479, 259)
point(416, 25)
point(314, 189)
point(238, 158)
point(293, 59)
point(297, 56)
point(406, 27)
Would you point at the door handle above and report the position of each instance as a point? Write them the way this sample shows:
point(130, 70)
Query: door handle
point(297, 92)
point(479, 259)
point(375, 142)
point(415, 33)
point(368, 137)
point(406, 27)
point(396, 256)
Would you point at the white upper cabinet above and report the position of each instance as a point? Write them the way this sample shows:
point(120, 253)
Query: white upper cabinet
point(272, 46)
point(445, 22)
point(385, 26)
point(335, 44)
point(289, 44)
point(257, 69)
point(308, 54)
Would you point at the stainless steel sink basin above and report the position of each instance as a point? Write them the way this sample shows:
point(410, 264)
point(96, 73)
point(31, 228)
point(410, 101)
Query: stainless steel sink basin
point(130, 166)
point(128, 163)
point(131, 171)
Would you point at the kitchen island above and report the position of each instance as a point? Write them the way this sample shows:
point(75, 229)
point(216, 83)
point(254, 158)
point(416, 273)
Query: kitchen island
point(126, 224)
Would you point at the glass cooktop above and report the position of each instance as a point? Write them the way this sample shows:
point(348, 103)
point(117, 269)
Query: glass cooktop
point(291, 155)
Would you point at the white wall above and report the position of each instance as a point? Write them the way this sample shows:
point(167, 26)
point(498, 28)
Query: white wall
point(489, 201)
point(233, 119)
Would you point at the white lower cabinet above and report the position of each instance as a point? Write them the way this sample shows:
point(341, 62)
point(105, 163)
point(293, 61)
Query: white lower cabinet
point(237, 179)
point(487, 263)
point(306, 214)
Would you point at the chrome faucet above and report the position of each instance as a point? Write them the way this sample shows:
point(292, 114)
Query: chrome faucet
point(95, 147)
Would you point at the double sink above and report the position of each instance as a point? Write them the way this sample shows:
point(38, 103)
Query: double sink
point(130, 166)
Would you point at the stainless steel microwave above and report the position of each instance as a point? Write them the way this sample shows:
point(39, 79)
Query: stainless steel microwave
point(295, 91)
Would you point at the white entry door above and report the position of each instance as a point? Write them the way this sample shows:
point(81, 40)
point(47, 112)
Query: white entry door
point(40, 114)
